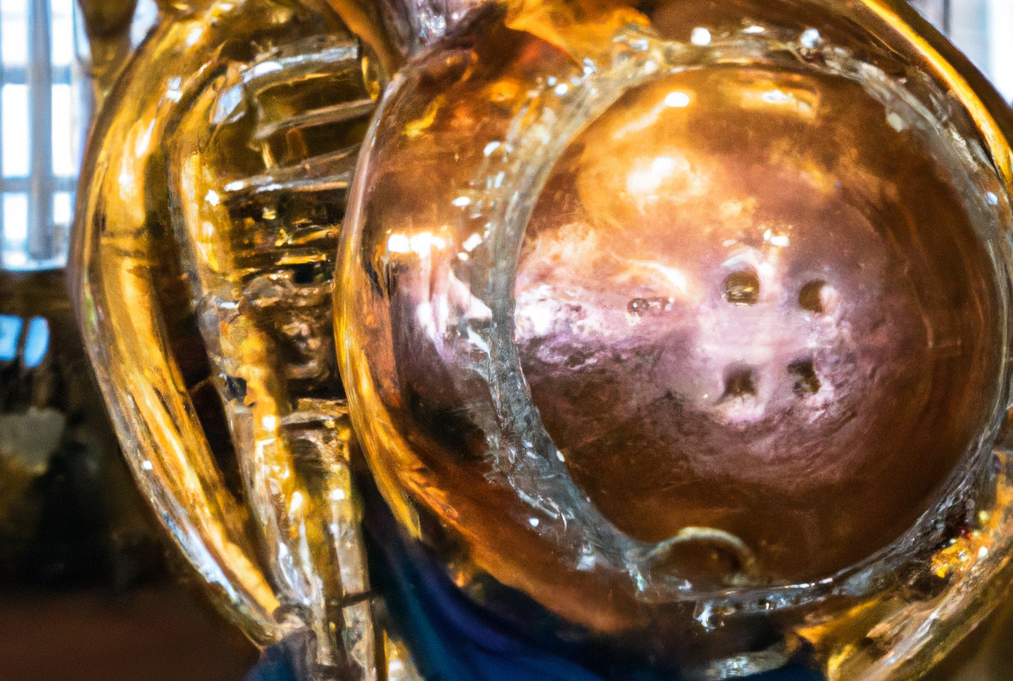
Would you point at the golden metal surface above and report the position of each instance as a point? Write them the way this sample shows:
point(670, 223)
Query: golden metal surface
point(623, 156)
point(212, 202)
point(188, 239)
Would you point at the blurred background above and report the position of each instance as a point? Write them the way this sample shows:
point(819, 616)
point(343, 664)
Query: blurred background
point(88, 589)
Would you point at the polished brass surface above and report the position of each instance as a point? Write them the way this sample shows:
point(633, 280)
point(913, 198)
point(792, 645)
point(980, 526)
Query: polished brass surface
point(107, 23)
point(212, 197)
point(687, 320)
point(763, 324)
point(682, 324)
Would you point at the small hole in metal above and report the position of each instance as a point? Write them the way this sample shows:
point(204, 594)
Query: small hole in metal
point(742, 288)
point(814, 296)
point(740, 382)
point(804, 374)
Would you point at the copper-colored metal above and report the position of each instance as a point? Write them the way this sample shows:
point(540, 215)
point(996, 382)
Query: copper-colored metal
point(748, 302)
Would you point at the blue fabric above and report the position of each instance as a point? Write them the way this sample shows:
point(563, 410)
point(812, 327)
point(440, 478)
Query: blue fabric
point(276, 664)
point(454, 639)
point(469, 663)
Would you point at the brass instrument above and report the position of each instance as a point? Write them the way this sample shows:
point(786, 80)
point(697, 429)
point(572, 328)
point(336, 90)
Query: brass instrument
point(677, 331)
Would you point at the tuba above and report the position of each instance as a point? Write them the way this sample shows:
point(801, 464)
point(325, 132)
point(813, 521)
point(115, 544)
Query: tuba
point(577, 339)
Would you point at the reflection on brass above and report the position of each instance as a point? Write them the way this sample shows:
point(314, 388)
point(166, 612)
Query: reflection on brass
point(735, 390)
point(206, 244)
point(107, 18)
point(107, 23)
point(677, 327)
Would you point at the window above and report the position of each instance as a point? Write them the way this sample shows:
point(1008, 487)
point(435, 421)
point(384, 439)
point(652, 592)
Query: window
point(44, 111)
point(983, 29)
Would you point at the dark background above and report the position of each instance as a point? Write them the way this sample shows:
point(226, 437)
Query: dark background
point(89, 588)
